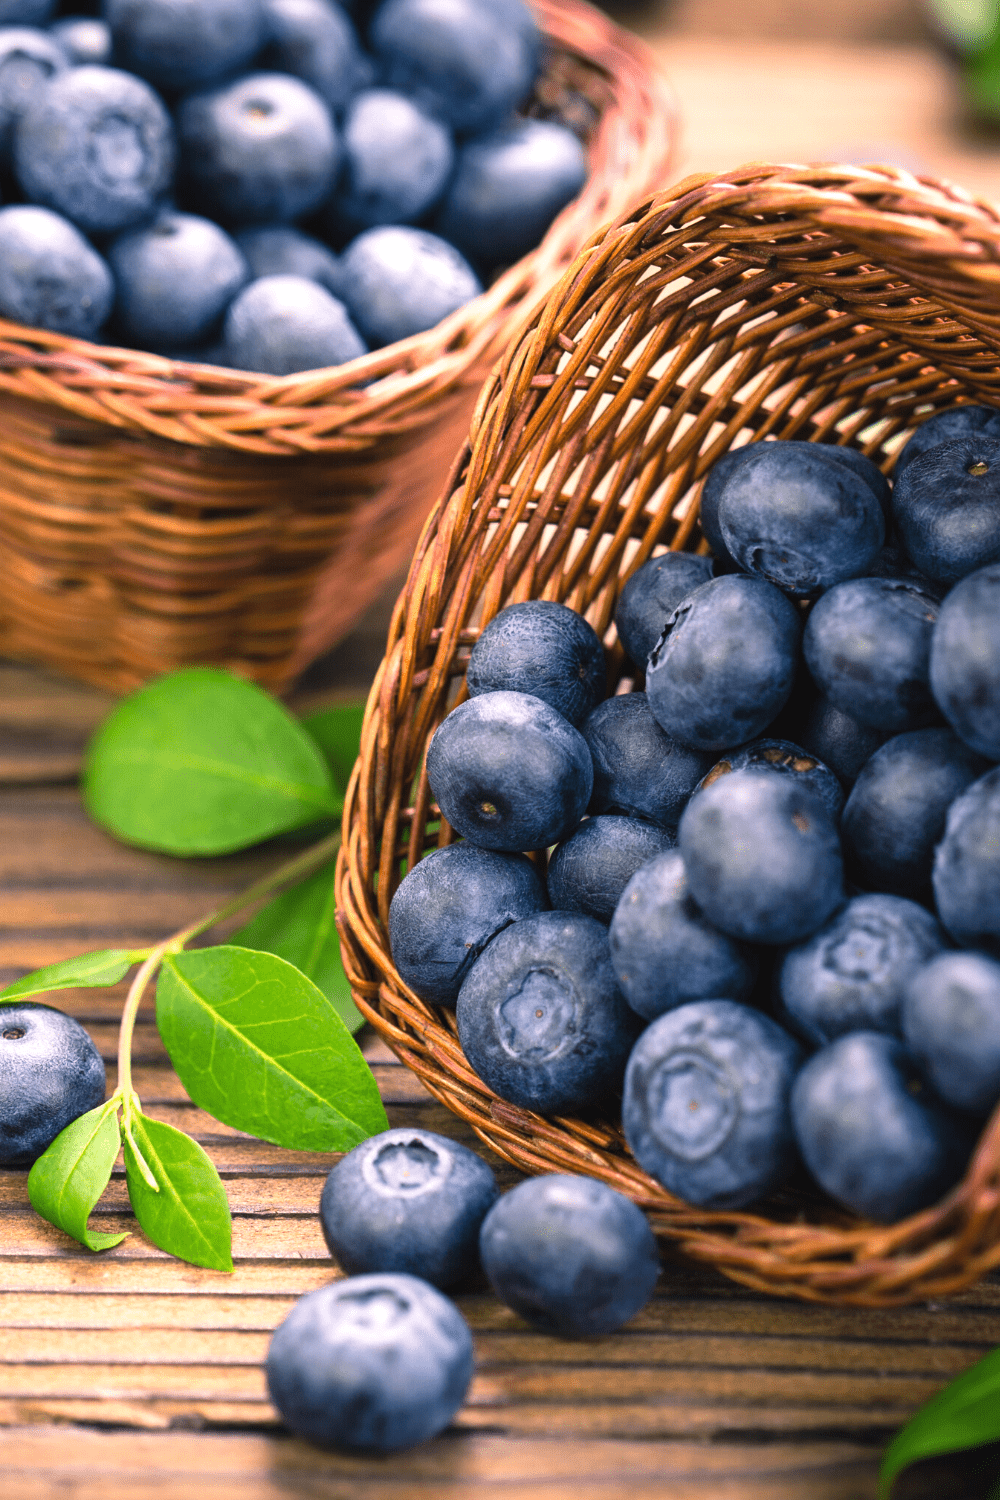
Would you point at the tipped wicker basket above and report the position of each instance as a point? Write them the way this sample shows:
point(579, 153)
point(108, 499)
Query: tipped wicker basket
point(832, 303)
point(155, 513)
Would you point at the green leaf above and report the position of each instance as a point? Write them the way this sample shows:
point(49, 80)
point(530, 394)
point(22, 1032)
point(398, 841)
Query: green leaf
point(258, 1046)
point(299, 926)
point(965, 1414)
point(201, 762)
point(87, 971)
point(67, 1179)
point(189, 1216)
point(337, 732)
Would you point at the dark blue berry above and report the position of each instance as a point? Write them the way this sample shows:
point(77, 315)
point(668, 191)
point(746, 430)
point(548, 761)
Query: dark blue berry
point(838, 740)
point(867, 644)
point(97, 145)
point(542, 648)
point(509, 772)
point(28, 59)
point(371, 1364)
point(397, 160)
point(725, 663)
point(314, 40)
point(951, 1022)
point(946, 508)
point(569, 1254)
point(591, 869)
point(26, 12)
point(706, 1103)
point(399, 281)
point(967, 866)
point(174, 281)
point(762, 857)
point(449, 907)
point(262, 150)
point(639, 770)
point(50, 1073)
point(277, 250)
point(965, 660)
point(84, 39)
point(179, 45)
point(785, 759)
point(870, 1131)
point(408, 1200)
point(664, 951)
point(895, 815)
point(650, 597)
point(851, 974)
point(711, 495)
point(280, 324)
point(540, 1016)
point(798, 519)
point(947, 427)
point(50, 276)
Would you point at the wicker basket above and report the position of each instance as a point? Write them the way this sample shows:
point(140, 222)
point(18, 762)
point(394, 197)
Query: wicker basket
point(155, 513)
point(835, 304)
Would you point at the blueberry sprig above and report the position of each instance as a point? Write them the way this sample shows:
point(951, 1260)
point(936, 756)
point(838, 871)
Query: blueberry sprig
point(259, 1028)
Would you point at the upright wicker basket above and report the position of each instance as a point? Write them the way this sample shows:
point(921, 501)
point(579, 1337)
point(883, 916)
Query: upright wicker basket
point(835, 304)
point(155, 513)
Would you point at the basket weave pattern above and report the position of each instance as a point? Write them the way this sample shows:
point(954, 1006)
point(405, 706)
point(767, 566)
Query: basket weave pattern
point(834, 304)
point(155, 513)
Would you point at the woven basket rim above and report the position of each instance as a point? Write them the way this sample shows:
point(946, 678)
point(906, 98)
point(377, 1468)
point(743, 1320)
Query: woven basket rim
point(324, 410)
point(930, 235)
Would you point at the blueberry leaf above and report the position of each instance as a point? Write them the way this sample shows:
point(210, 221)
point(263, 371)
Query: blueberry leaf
point(66, 1181)
point(337, 732)
point(189, 1216)
point(201, 762)
point(966, 1414)
point(300, 926)
point(86, 971)
point(258, 1046)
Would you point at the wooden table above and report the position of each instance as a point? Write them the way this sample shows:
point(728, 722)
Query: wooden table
point(130, 1374)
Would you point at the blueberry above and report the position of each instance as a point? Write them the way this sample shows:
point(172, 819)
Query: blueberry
point(97, 145)
point(28, 59)
point(711, 495)
point(951, 1022)
point(664, 951)
point(650, 597)
point(946, 508)
point(175, 280)
point(569, 1254)
point(892, 562)
point(705, 1109)
point(464, 61)
point(280, 324)
point(589, 871)
point(399, 281)
point(397, 160)
point(870, 1132)
point(50, 277)
point(50, 1073)
point(408, 1200)
point(262, 150)
point(785, 759)
point(372, 1364)
point(449, 907)
point(541, 648)
point(967, 866)
point(838, 740)
point(185, 44)
point(762, 857)
point(896, 812)
point(540, 1017)
point(851, 974)
point(84, 39)
point(26, 12)
point(870, 472)
point(965, 660)
point(639, 770)
point(725, 663)
point(509, 772)
point(946, 427)
point(798, 519)
point(277, 250)
point(507, 188)
point(314, 40)
point(867, 644)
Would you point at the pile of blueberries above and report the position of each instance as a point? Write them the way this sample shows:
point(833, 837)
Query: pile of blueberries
point(758, 903)
point(273, 185)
